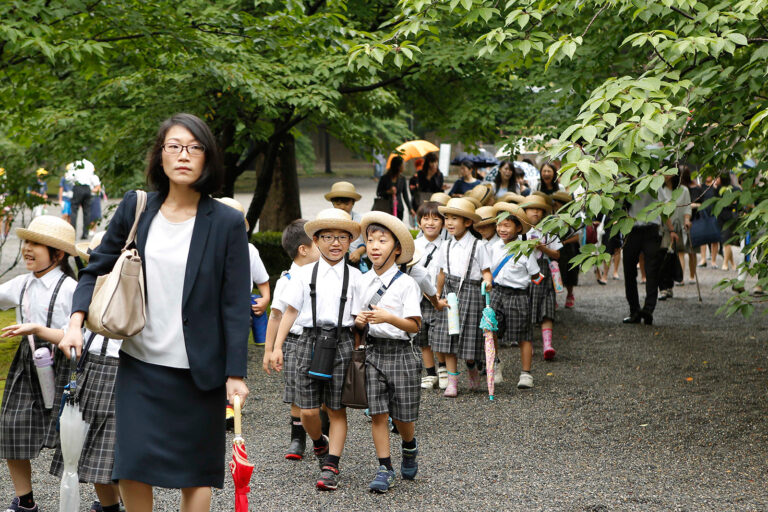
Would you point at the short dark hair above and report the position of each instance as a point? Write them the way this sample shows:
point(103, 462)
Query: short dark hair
point(294, 237)
point(428, 208)
point(374, 227)
point(210, 179)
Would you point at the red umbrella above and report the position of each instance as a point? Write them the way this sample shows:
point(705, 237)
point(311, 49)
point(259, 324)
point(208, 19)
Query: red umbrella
point(239, 466)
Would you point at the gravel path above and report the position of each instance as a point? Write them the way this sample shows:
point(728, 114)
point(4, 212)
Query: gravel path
point(668, 417)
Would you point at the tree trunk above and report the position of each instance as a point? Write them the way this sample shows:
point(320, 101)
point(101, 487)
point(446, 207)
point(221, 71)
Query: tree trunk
point(283, 203)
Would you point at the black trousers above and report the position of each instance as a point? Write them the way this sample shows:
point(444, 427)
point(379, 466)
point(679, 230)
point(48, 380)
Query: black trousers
point(81, 196)
point(644, 240)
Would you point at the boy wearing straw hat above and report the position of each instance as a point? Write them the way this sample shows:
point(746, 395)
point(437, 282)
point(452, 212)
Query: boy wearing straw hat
point(389, 315)
point(320, 299)
point(512, 279)
point(43, 302)
point(462, 268)
point(343, 196)
point(548, 249)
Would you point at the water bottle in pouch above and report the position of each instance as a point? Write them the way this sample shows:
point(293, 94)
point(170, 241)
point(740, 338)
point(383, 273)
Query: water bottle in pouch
point(557, 279)
point(453, 314)
point(44, 366)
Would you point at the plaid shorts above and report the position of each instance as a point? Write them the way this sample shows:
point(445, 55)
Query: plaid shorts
point(289, 368)
point(97, 403)
point(311, 393)
point(512, 307)
point(469, 344)
point(393, 378)
point(426, 332)
point(543, 295)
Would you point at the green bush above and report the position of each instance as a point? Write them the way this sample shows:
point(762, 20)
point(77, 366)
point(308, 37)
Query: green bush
point(272, 254)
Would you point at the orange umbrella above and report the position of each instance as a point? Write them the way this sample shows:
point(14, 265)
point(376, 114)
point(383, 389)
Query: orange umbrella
point(239, 466)
point(413, 149)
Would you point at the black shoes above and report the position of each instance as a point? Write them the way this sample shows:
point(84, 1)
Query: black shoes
point(647, 317)
point(296, 449)
point(638, 316)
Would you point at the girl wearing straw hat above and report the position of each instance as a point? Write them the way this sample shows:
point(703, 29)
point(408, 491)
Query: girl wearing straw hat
point(42, 299)
point(462, 260)
point(176, 375)
point(96, 385)
point(548, 249)
point(390, 314)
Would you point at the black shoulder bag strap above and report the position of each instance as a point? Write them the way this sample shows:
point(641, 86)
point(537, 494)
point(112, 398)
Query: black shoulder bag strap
point(469, 265)
point(313, 298)
point(376, 297)
point(342, 302)
point(429, 256)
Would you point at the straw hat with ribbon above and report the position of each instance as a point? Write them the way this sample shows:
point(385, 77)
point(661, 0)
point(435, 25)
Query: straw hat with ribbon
point(84, 248)
point(332, 218)
point(536, 201)
point(234, 203)
point(460, 206)
point(50, 231)
point(511, 197)
point(517, 212)
point(483, 193)
point(440, 198)
point(562, 197)
point(343, 190)
point(487, 215)
point(397, 227)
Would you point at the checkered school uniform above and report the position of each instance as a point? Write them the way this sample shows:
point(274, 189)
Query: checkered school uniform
point(543, 298)
point(430, 260)
point(510, 297)
point(392, 364)
point(465, 282)
point(25, 425)
point(96, 388)
point(310, 393)
point(289, 345)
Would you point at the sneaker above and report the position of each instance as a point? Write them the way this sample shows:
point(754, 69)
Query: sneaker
point(385, 478)
point(442, 377)
point(409, 466)
point(525, 382)
point(329, 478)
point(570, 301)
point(96, 507)
point(15, 507)
point(229, 418)
point(321, 452)
point(429, 382)
point(498, 377)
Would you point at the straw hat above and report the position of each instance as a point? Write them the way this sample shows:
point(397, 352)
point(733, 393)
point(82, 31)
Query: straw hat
point(234, 203)
point(562, 197)
point(440, 198)
point(475, 202)
point(84, 248)
point(487, 215)
point(511, 197)
point(460, 206)
point(536, 201)
point(517, 212)
point(343, 189)
point(332, 218)
point(547, 197)
point(417, 254)
point(397, 227)
point(51, 231)
point(483, 193)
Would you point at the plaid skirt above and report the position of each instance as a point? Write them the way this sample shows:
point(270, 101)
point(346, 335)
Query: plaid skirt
point(26, 427)
point(97, 403)
point(289, 368)
point(543, 295)
point(393, 378)
point(469, 343)
point(513, 312)
point(426, 331)
point(311, 393)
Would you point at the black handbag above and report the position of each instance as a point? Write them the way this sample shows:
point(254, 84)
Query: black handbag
point(382, 204)
point(353, 393)
point(704, 229)
point(324, 347)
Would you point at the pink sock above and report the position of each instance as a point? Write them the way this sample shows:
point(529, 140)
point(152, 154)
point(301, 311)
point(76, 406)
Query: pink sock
point(546, 337)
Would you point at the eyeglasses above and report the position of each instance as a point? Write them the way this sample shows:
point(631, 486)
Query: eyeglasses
point(329, 239)
point(173, 148)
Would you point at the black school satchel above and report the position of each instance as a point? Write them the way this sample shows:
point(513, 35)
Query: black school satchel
point(324, 347)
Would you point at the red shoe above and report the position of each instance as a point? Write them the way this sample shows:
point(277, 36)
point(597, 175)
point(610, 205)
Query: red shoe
point(570, 301)
point(549, 354)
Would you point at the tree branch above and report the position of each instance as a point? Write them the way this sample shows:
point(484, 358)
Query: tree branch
point(682, 12)
point(351, 89)
point(593, 19)
point(124, 38)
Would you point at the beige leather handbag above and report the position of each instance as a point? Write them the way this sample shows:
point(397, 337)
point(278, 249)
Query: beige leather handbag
point(118, 306)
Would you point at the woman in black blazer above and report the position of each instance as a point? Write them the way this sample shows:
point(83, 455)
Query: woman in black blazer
point(393, 184)
point(176, 375)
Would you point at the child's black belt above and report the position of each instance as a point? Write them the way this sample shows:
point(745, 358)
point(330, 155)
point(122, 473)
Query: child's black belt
point(510, 290)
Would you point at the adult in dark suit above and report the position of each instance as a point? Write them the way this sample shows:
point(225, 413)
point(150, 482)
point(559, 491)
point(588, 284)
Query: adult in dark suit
point(175, 376)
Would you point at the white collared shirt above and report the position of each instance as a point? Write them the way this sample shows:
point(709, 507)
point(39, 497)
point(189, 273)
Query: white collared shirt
point(460, 254)
point(329, 283)
point(259, 273)
point(402, 298)
point(430, 248)
point(277, 296)
point(490, 241)
point(423, 279)
point(515, 274)
point(356, 244)
point(37, 298)
point(551, 241)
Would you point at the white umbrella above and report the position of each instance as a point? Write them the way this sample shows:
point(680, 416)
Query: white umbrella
point(73, 430)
